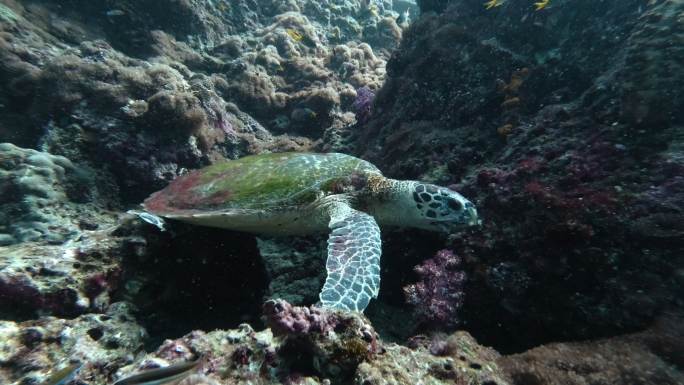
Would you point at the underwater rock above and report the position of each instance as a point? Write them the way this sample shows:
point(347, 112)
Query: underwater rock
point(572, 190)
point(339, 137)
point(650, 357)
point(151, 96)
point(199, 379)
point(57, 251)
point(326, 347)
point(433, 5)
point(44, 198)
point(651, 98)
point(336, 341)
point(75, 277)
point(146, 118)
point(457, 359)
point(563, 125)
point(295, 267)
point(363, 103)
point(298, 321)
point(31, 351)
point(321, 347)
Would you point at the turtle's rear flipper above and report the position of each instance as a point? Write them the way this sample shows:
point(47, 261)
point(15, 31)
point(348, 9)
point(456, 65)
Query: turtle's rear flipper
point(149, 218)
point(353, 264)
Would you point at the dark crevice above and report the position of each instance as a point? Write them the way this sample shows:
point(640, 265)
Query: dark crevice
point(195, 278)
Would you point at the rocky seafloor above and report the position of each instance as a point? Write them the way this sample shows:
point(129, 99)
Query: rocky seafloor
point(564, 126)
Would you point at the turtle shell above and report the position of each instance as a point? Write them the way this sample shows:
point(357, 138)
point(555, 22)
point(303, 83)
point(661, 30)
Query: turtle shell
point(254, 182)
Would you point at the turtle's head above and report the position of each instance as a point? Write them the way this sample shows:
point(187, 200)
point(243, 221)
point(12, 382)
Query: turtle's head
point(441, 209)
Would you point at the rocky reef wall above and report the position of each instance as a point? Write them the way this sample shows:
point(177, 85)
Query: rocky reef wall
point(118, 83)
point(562, 125)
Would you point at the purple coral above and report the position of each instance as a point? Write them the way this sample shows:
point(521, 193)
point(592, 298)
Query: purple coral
point(285, 319)
point(438, 296)
point(217, 115)
point(362, 104)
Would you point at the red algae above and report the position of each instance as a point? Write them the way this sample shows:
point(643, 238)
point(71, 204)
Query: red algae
point(177, 195)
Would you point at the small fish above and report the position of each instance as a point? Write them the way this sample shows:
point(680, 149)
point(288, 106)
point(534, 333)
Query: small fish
point(64, 376)
point(493, 3)
point(373, 9)
point(541, 4)
point(294, 34)
point(115, 12)
point(149, 218)
point(160, 376)
point(404, 18)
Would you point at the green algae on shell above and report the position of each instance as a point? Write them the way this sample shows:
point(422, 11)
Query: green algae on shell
point(255, 182)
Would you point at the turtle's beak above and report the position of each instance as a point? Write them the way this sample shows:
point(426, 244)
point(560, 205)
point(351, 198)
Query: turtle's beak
point(467, 218)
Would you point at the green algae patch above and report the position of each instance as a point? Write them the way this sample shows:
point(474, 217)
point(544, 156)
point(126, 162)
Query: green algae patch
point(257, 181)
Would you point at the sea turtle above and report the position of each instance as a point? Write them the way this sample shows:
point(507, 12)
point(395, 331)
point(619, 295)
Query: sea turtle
point(305, 193)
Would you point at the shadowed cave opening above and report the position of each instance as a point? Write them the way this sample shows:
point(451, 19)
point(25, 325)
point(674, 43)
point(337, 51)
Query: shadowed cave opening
point(195, 278)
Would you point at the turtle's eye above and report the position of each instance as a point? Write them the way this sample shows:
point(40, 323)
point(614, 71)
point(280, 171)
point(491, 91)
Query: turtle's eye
point(454, 204)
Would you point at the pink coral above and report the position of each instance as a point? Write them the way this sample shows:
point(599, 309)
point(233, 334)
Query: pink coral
point(285, 319)
point(438, 296)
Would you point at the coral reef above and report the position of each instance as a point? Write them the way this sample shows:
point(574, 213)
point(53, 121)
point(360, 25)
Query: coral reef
point(298, 321)
point(151, 97)
point(45, 197)
point(30, 351)
point(73, 278)
point(295, 268)
point(316, 346)
point(650, 357)
point(363, 103)
point(337, 342)
point(455, 358)
point(438, 296)
point(643, 104)
point(563, 126)
point(555, 140)
point(59, 253)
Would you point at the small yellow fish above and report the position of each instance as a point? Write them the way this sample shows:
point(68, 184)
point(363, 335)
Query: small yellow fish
point(493, 3)
point(541, 5)
point(294, 34)
point(373, 9)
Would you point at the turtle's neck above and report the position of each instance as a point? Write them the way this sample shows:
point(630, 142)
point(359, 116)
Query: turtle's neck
point(392, 202)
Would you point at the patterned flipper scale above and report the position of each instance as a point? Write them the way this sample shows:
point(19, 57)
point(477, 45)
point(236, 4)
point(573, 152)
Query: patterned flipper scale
point(353, 264)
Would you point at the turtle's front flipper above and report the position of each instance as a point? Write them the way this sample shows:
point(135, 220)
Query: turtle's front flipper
point(353, 264)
